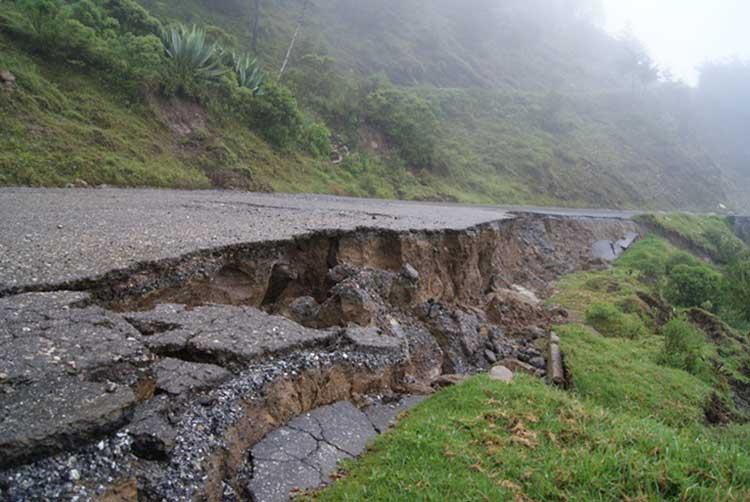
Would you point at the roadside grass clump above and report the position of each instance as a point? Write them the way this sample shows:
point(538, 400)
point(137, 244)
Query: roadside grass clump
point(684, 347)
point(485, 440)
point(710, 235)
point(609, 320)
point(648, 258)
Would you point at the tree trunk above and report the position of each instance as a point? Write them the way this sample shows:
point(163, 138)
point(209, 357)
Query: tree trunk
point(294, 39)
point(256, 22)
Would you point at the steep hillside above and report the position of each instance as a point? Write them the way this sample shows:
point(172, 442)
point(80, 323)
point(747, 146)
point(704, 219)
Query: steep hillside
point(436, 100)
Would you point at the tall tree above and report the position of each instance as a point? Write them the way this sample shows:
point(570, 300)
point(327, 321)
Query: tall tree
point(254, 24)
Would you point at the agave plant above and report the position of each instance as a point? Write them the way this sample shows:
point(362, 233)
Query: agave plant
point(191, 54)
point(248, 73)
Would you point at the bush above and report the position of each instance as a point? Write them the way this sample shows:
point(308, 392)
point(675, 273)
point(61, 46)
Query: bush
point(681, 258)
point(611, 321)
point(407, 120)
point(318, 140)
point(694, 286)
point(274, 115)
point(683, 346)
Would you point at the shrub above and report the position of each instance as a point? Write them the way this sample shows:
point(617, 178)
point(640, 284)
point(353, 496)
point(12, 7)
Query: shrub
point(727, 246)
point(611, 321)
point(274, 115)
point(683, 346)
point(681, 258)
point(694, 286)
point(318, 140)
point(134, 18)
point(407, 120)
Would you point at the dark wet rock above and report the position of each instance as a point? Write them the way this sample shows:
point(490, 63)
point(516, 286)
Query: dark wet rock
point(341, 272)
point(281, 276)
point(459, 335)
point(178, 377)
point(153, 438)
point(490, 356)
point(448, 380)
point(349, 303)
point(538, 362)
point(373, 340)
point(384, 415)
point(228, 335)
point(57, 414)
point(304, 310)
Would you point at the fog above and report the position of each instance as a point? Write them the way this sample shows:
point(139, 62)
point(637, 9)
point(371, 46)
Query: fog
point(682, 34)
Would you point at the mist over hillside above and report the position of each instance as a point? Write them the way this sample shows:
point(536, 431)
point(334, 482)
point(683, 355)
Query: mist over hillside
point(494, 101)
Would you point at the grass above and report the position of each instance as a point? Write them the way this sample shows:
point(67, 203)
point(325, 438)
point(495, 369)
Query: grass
point(485, 440)
point(711, 235)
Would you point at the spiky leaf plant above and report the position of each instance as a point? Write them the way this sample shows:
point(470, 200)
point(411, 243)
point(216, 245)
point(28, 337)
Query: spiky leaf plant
point(248, 73)
point(192, 56)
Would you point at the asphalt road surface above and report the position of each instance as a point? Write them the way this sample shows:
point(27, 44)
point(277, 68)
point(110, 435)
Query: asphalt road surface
point(51, 236)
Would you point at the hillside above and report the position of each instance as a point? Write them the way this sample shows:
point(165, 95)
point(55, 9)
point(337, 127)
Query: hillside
point(473, 103)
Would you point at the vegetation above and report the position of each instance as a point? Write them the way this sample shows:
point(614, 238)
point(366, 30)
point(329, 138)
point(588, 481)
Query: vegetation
point(611, 321)
point(657, 416)
point(470, 104)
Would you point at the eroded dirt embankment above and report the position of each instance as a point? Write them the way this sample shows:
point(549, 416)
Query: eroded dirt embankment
point(157, 382)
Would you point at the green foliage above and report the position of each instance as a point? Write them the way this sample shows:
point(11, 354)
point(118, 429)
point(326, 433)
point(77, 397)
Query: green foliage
point(709, 235)
point(611, 321)
point(407, 120)
point(648, 257)
point(684, 347)
point(274, 115)
point(192, 58)
point(249, 75)
point(132, 17)
point(694, 286)
point(680, 258)
point(738, 285)
point(317, 139)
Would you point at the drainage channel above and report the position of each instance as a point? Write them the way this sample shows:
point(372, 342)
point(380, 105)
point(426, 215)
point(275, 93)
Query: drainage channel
point(198, 378)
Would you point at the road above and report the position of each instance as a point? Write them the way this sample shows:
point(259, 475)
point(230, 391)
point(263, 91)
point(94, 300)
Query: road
point(51, 236)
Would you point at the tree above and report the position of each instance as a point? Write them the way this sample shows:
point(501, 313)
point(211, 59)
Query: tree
point(254, 25)
point(635, 63)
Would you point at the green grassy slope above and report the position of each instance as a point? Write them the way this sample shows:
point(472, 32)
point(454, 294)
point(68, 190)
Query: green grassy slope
point(528, 112)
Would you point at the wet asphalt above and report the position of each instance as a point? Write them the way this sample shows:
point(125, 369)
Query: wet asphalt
point(52, 236)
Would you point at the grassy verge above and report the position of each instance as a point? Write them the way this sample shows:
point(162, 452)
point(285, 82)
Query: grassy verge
point(525, 441)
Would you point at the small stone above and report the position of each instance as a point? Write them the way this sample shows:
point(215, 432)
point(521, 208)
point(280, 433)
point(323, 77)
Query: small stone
point(538, 362)
point(111, 387)
point(59, 227)
point(501, 374)
point(553, 338)
point(3, 377)
point(490, 356)
point(206, 400)
point(409, 272)
point(74, 475)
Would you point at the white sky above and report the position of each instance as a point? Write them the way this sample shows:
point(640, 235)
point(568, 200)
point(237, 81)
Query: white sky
point(682, 34)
